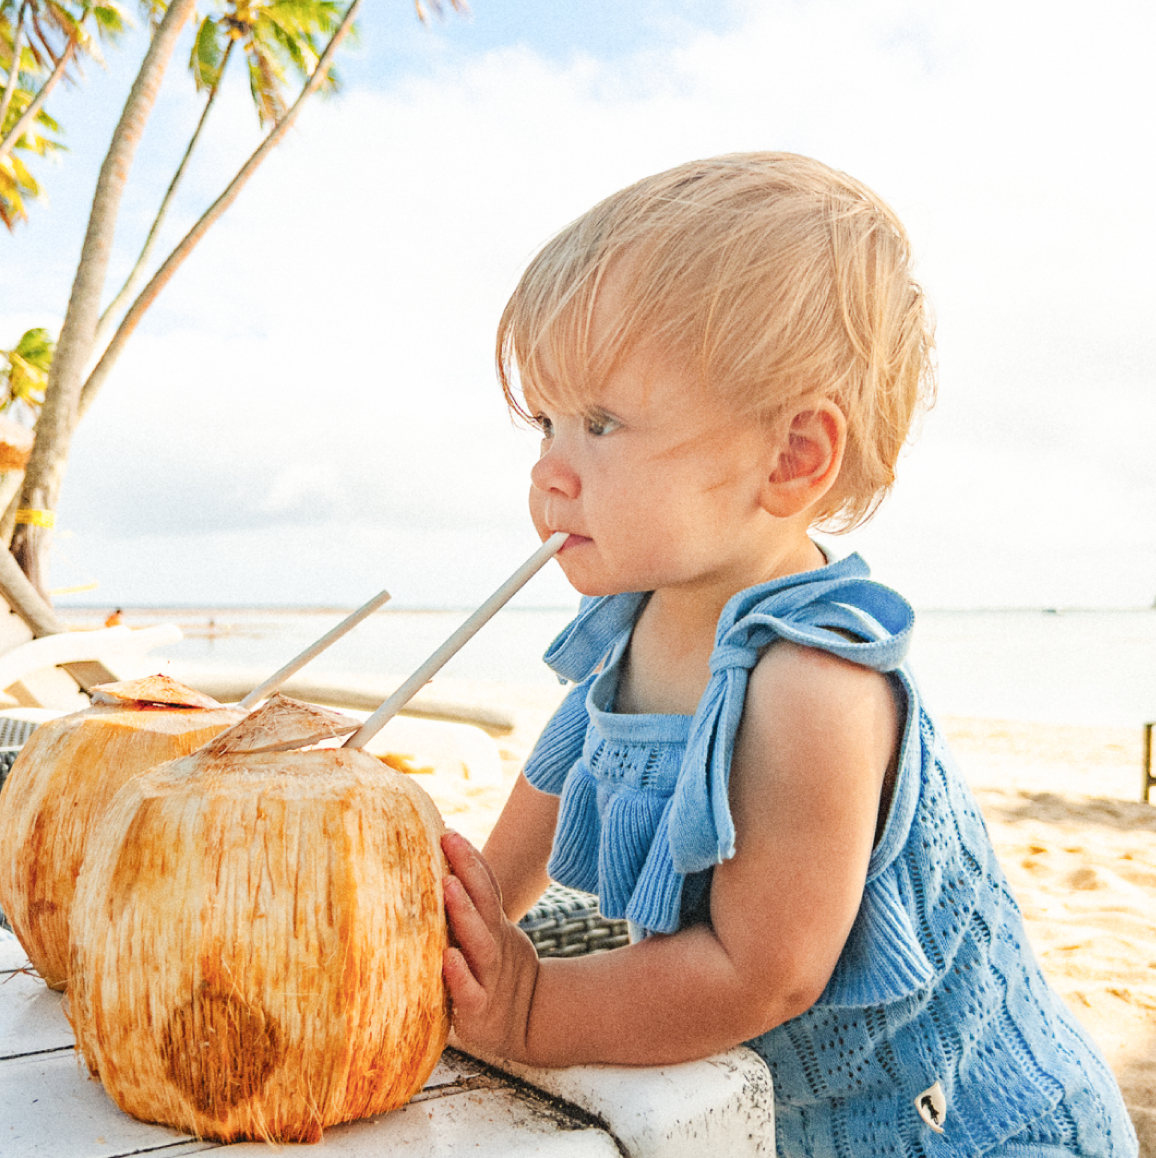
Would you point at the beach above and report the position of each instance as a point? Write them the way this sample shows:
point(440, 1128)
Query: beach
point(1062, 805)
point(1046, 730)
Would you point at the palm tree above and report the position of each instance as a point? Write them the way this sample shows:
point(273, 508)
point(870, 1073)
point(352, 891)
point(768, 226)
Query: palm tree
point(317, 78)
point(278, 37)
point(54, 427)
point(69, 394)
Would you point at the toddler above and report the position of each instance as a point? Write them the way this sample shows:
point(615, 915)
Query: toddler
point(720, 359)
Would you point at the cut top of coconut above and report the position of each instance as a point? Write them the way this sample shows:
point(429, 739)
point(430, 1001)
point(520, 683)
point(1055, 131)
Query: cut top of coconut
point(155, 689)
point(279, 725)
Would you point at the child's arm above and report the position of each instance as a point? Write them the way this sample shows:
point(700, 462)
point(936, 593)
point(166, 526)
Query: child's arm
point(519, 846)
point(817, 738)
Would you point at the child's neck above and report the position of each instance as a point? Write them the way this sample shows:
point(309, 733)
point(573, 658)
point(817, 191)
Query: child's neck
point(667, 665)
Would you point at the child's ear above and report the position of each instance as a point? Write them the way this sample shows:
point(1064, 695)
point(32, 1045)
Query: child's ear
point(807, 461)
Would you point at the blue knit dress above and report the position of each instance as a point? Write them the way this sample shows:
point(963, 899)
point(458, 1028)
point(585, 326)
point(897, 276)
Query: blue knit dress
point(937, 1033)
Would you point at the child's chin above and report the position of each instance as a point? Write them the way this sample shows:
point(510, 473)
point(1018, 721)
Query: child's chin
point(588, 585)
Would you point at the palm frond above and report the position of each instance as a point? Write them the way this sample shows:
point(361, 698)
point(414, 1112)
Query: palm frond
point(280, 38)
point(24, 369)
point(31, 64)
point(31, 140)
point(300, 52)
point(37, 144)
point(265, 81)
point(153, 11)
point(37, 346)
point(207, 54)
point(32, 59)
point(51, 26)
point(303, 17)
point(16, 184)
point(21, 178)
point(111, 21)
point(11, 208)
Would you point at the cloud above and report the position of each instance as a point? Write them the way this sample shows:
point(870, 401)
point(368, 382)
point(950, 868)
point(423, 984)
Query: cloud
point(325, 358)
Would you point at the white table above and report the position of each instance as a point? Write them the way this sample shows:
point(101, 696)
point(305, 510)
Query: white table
point(719, 1107)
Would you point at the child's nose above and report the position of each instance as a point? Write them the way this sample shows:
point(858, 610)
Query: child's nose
point(554, 473)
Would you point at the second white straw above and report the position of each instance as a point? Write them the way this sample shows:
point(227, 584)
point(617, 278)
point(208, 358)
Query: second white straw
point(455, 642)
point(314, 649)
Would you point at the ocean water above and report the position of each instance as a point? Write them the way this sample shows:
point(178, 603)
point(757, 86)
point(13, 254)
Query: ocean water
point(1062, 667)
point(1076, 667)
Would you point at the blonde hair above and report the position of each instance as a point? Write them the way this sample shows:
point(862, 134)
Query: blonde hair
point(771, 277)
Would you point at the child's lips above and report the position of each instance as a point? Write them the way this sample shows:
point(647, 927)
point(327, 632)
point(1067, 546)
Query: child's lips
point(575, 541)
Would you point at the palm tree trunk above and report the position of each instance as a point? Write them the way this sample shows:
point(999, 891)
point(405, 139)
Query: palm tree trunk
point(25, 600)
point(132, 282)
point(60, 412)
point(8, 520)
point(29, 114)
point(175, 259)
point(14, 68)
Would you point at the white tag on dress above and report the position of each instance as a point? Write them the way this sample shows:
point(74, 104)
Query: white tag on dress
point(932, 1107)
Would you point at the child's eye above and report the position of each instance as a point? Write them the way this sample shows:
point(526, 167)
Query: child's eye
point(600, 423)
point(544, 425)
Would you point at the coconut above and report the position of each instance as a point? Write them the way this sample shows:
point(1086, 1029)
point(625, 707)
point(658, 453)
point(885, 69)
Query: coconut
point(64, 778)
point(258, 937)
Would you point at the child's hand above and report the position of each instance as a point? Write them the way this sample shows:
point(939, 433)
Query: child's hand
point(492, 967)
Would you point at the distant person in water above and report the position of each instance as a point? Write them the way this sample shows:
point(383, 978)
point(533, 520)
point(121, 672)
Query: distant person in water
point(114, 619)
point(720, 360)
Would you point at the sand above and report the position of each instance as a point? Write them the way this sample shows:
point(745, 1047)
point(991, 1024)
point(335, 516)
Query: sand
point(1062, 805)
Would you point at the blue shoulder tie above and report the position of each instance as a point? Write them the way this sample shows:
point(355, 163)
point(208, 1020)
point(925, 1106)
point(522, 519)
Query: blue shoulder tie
point(814, 609)
point(694, 830)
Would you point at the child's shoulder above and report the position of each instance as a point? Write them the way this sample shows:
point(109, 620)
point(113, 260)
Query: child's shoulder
point(819, 726)
point(799, 689)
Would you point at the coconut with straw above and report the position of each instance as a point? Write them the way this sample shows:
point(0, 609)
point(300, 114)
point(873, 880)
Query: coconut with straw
point(258, 935)
point(259, 927)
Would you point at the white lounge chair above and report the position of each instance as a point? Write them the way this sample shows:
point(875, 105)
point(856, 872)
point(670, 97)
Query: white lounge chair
point(120, 650)
point(47, 677)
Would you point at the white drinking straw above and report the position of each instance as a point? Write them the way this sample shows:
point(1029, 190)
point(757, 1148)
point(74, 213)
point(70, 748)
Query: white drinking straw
point(455, 642)
point(314, 649)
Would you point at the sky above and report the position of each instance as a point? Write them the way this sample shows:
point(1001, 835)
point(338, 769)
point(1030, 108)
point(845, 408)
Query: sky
point(309, 411)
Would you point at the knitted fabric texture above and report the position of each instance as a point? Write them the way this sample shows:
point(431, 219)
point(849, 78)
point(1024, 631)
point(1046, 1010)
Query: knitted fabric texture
point(936, 982)
point(671, 817)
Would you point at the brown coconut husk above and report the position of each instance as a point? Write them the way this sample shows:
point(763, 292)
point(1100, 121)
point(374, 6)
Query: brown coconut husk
point(257, 943)
point(281, 724)
point(157, 690)
point(65, 776)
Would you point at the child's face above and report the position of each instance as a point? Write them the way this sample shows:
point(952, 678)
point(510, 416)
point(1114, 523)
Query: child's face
point(656, 483)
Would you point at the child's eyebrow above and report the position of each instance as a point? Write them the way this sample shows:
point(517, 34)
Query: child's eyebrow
point(543, 391)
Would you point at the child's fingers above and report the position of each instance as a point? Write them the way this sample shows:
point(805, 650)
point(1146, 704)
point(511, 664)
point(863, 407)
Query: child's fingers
point(467, 995)
point(474, 937)
point(490, 965)
point(491, 1005)
point(476, 876)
